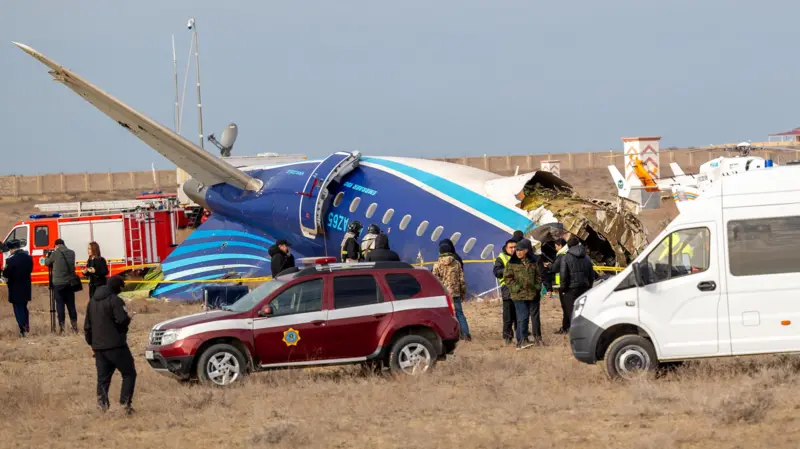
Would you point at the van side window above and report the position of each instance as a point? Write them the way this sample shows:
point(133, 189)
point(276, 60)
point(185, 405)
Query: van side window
point(300, 298)
point(354, 291)
point(19, 233)
point(764, 246)
point(403, 285)
point(681, 253)
point(41, 236)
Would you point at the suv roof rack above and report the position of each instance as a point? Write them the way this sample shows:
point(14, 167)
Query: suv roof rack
point(328, 268)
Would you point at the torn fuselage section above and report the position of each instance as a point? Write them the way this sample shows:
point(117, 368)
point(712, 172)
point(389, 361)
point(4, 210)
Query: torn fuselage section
point(612, 232)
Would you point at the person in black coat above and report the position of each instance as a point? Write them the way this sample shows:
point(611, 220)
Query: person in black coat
point(106, 331)
point(577, 277)
point(280, 258)
point(96, 269)
point(17, 272)
point(382, 253)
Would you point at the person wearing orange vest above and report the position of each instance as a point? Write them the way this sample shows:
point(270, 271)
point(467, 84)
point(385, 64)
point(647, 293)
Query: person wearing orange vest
point(509, 313)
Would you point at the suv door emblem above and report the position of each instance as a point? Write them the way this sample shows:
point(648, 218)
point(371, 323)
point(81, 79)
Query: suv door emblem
point(291, 337)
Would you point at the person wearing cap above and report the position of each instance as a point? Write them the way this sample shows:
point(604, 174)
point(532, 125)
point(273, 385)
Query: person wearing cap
point(524, 283)
point(17, 272)
point(106, 331)
point(280, 257)
point(62, 263)
point(449, 272)
point(509, 312)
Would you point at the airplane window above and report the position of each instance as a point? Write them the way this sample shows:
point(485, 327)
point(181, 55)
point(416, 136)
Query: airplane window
point(455, 237)
point(487, 252)
point(470, 243)
point(422, 227)
point(354, 204)
point(404, 222)
point(437, 233)
point(371, 210)
point(387, 217)
point(338, 200)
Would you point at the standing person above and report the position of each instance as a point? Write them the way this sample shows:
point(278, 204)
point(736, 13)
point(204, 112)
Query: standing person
point(451, 275)
point(382, 253)
point(577, 276)
point(279, 257)
point(17, 272)
point(524, 283)
point(106, 331)
point(62, 263)
point(368, 243)
point(351, 250)
point(509, 311)
point(555, 271)
point(96, 269)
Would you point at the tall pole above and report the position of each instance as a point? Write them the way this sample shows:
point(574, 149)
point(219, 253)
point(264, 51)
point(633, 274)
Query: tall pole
point(175, 72)
point(197, 68)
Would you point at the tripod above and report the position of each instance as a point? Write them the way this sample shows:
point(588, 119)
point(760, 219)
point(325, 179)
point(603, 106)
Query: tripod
point(52, 299)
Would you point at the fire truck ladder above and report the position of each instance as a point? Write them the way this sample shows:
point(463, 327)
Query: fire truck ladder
point(100, 207)
point(136, 237)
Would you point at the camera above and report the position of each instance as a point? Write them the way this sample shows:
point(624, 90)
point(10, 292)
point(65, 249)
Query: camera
point(47, 252)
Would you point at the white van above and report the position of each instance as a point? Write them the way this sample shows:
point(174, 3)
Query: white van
point(723, 279)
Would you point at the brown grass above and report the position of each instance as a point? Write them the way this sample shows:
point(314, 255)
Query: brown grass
point(487, 396)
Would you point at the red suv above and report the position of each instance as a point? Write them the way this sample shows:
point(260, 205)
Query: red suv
point(379, 314)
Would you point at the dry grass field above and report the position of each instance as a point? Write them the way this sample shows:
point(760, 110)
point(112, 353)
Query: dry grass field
point(487, 396)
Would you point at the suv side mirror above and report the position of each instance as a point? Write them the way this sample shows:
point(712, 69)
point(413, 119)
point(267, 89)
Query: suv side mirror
point(637, 274)
point(265, 311)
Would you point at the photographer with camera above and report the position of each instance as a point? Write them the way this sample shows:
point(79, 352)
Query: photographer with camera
point(65, 283)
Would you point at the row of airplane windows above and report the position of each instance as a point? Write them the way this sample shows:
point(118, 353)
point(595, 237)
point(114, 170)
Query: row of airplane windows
point(423, 226)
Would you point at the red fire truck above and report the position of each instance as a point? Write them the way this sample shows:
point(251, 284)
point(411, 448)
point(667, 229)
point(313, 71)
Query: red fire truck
point(131, 233)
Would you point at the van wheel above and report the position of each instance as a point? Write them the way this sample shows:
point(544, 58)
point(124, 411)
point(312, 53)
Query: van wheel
point(629, 357)
point(221, 365)
point(412, 355)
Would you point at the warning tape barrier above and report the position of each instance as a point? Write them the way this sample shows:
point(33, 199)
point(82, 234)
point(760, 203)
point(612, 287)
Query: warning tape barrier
point(265, 278)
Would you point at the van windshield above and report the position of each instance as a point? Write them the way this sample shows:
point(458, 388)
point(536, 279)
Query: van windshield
point(248, 301)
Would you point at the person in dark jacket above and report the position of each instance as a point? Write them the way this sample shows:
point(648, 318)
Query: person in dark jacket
point(577, 276)
point(382, 253)
point(96, 269)
point(524, 283)
point(451, 248)
point(106, 331)
point(509, 310)
point(351, 250)
point(62, 263)
point(17, 271)
point(280, 257)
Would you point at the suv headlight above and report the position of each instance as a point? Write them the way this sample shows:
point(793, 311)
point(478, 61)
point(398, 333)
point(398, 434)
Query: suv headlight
point(170, 336)
point(579, 303)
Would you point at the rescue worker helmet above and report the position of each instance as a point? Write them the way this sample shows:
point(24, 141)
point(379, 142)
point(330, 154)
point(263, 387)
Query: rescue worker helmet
point(355, 227)
point(373, 229)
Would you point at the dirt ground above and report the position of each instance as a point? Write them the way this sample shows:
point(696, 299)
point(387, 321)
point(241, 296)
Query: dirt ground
point(487, 396)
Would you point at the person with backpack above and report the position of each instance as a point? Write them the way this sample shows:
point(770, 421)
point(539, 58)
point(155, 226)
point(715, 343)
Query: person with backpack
point(62, 263)
point(382, 253)
point(368, 243)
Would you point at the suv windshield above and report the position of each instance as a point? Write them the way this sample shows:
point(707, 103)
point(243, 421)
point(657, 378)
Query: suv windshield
point(255, 296)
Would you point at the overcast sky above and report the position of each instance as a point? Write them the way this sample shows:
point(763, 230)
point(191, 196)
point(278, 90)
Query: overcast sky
point(417, 78)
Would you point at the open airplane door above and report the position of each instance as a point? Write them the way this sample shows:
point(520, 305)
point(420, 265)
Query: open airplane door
point(315, 192)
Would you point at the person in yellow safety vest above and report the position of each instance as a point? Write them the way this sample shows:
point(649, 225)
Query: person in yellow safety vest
point(681, 254)
point(555, 267)
point(509, 313)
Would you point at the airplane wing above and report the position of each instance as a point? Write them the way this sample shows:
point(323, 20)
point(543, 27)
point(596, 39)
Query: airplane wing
point(202, 165)
point(676, 169)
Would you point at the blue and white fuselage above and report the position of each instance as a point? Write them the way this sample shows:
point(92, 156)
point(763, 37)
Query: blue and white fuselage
point(416, 202)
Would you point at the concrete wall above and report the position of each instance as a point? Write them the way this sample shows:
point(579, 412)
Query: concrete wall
point(688, 159)
point(64, 183)
point(67, 183)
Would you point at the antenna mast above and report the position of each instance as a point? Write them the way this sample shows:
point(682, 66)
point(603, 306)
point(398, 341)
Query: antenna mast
point(175, 72)
point(193, 26)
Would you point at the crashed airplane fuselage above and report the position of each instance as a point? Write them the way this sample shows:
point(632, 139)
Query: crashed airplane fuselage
point(416, 202)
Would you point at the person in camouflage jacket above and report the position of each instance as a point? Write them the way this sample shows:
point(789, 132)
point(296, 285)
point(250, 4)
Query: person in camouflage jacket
point(449, 272)
point(524, 282)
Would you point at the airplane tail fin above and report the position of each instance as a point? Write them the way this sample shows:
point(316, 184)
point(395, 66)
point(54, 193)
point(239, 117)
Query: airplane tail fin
point(623, 187)
point(199, 163)
point(676, 169)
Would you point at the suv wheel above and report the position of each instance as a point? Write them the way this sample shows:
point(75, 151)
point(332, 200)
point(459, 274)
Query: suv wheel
point(221, 365)
point(412, 355)
point(629, 357)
